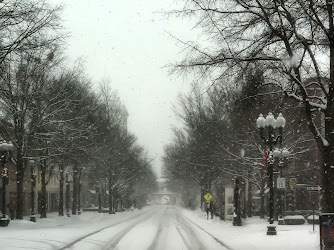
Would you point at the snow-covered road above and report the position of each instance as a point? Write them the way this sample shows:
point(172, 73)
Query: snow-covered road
point(153, 228)
point(158, 228)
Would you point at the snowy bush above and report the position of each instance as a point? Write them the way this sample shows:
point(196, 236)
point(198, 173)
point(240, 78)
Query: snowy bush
point(294, 220)
point(310, 219)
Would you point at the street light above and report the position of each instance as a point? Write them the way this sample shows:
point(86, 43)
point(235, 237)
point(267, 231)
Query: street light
point(5, 149)
point(271, 124)
point(281, 159)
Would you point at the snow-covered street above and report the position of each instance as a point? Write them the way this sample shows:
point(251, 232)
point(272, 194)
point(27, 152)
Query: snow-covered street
point(152, 228)
point(157, 227)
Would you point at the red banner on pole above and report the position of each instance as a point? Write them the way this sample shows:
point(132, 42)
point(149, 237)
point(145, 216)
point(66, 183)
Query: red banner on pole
point(265, 158)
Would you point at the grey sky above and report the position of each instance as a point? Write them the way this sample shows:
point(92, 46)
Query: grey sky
point(126, 41)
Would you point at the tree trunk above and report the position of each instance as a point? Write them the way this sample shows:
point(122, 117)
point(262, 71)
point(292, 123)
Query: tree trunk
point(202, 197)
point(110, 196)
point(105, 196)
point(75, 189)
point(116, 206)
point(100, 198)
point(32, 193)
point(250, 198)
point(67, 196)
point(19, 184)
point(113, 201)
point(79, 194)
point(245, 204)
point(328, 152)
point(222, 206)
point(43, 191)
point(236, 198)
point(61, 190)
point(328, 181)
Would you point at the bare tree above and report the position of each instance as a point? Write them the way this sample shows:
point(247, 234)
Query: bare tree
point(293, 40)
point(22, 88)
point(24, 22)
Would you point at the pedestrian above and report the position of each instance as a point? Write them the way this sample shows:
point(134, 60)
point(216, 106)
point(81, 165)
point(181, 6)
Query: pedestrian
point(12, 208)
point(212, 208)
point(207, 208)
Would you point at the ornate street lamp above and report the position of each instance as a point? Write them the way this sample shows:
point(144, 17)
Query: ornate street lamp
point(281, 159)
point(5, 150)
point(271, 124)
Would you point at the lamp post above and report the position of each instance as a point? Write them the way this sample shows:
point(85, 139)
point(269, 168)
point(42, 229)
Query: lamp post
point(281, 159)
point(5, 149)
point(271, 124)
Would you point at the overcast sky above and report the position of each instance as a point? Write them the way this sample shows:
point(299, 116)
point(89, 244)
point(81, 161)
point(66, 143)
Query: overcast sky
point(127, 41)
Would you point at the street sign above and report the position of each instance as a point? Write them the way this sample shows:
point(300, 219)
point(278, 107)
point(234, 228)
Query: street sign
point(208, 197)
point(281, 183)
point(314, 188)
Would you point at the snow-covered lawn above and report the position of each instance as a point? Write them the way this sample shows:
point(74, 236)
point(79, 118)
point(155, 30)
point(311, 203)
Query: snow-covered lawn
point(252, 235)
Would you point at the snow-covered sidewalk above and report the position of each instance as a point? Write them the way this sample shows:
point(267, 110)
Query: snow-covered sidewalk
point(252, 235)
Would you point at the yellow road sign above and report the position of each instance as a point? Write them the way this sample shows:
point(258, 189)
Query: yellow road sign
point(208, 197)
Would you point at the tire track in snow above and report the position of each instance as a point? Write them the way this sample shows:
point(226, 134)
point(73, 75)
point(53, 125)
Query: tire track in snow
point(214, 237)
point(171, 219)
point(184, 239)
point(98, 231)
point(157, 236)
point(122, 234)
point(195, 243)
point(155, 244)
point(125, 231)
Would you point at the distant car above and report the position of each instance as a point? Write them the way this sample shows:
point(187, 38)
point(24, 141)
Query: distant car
point(148, 203)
